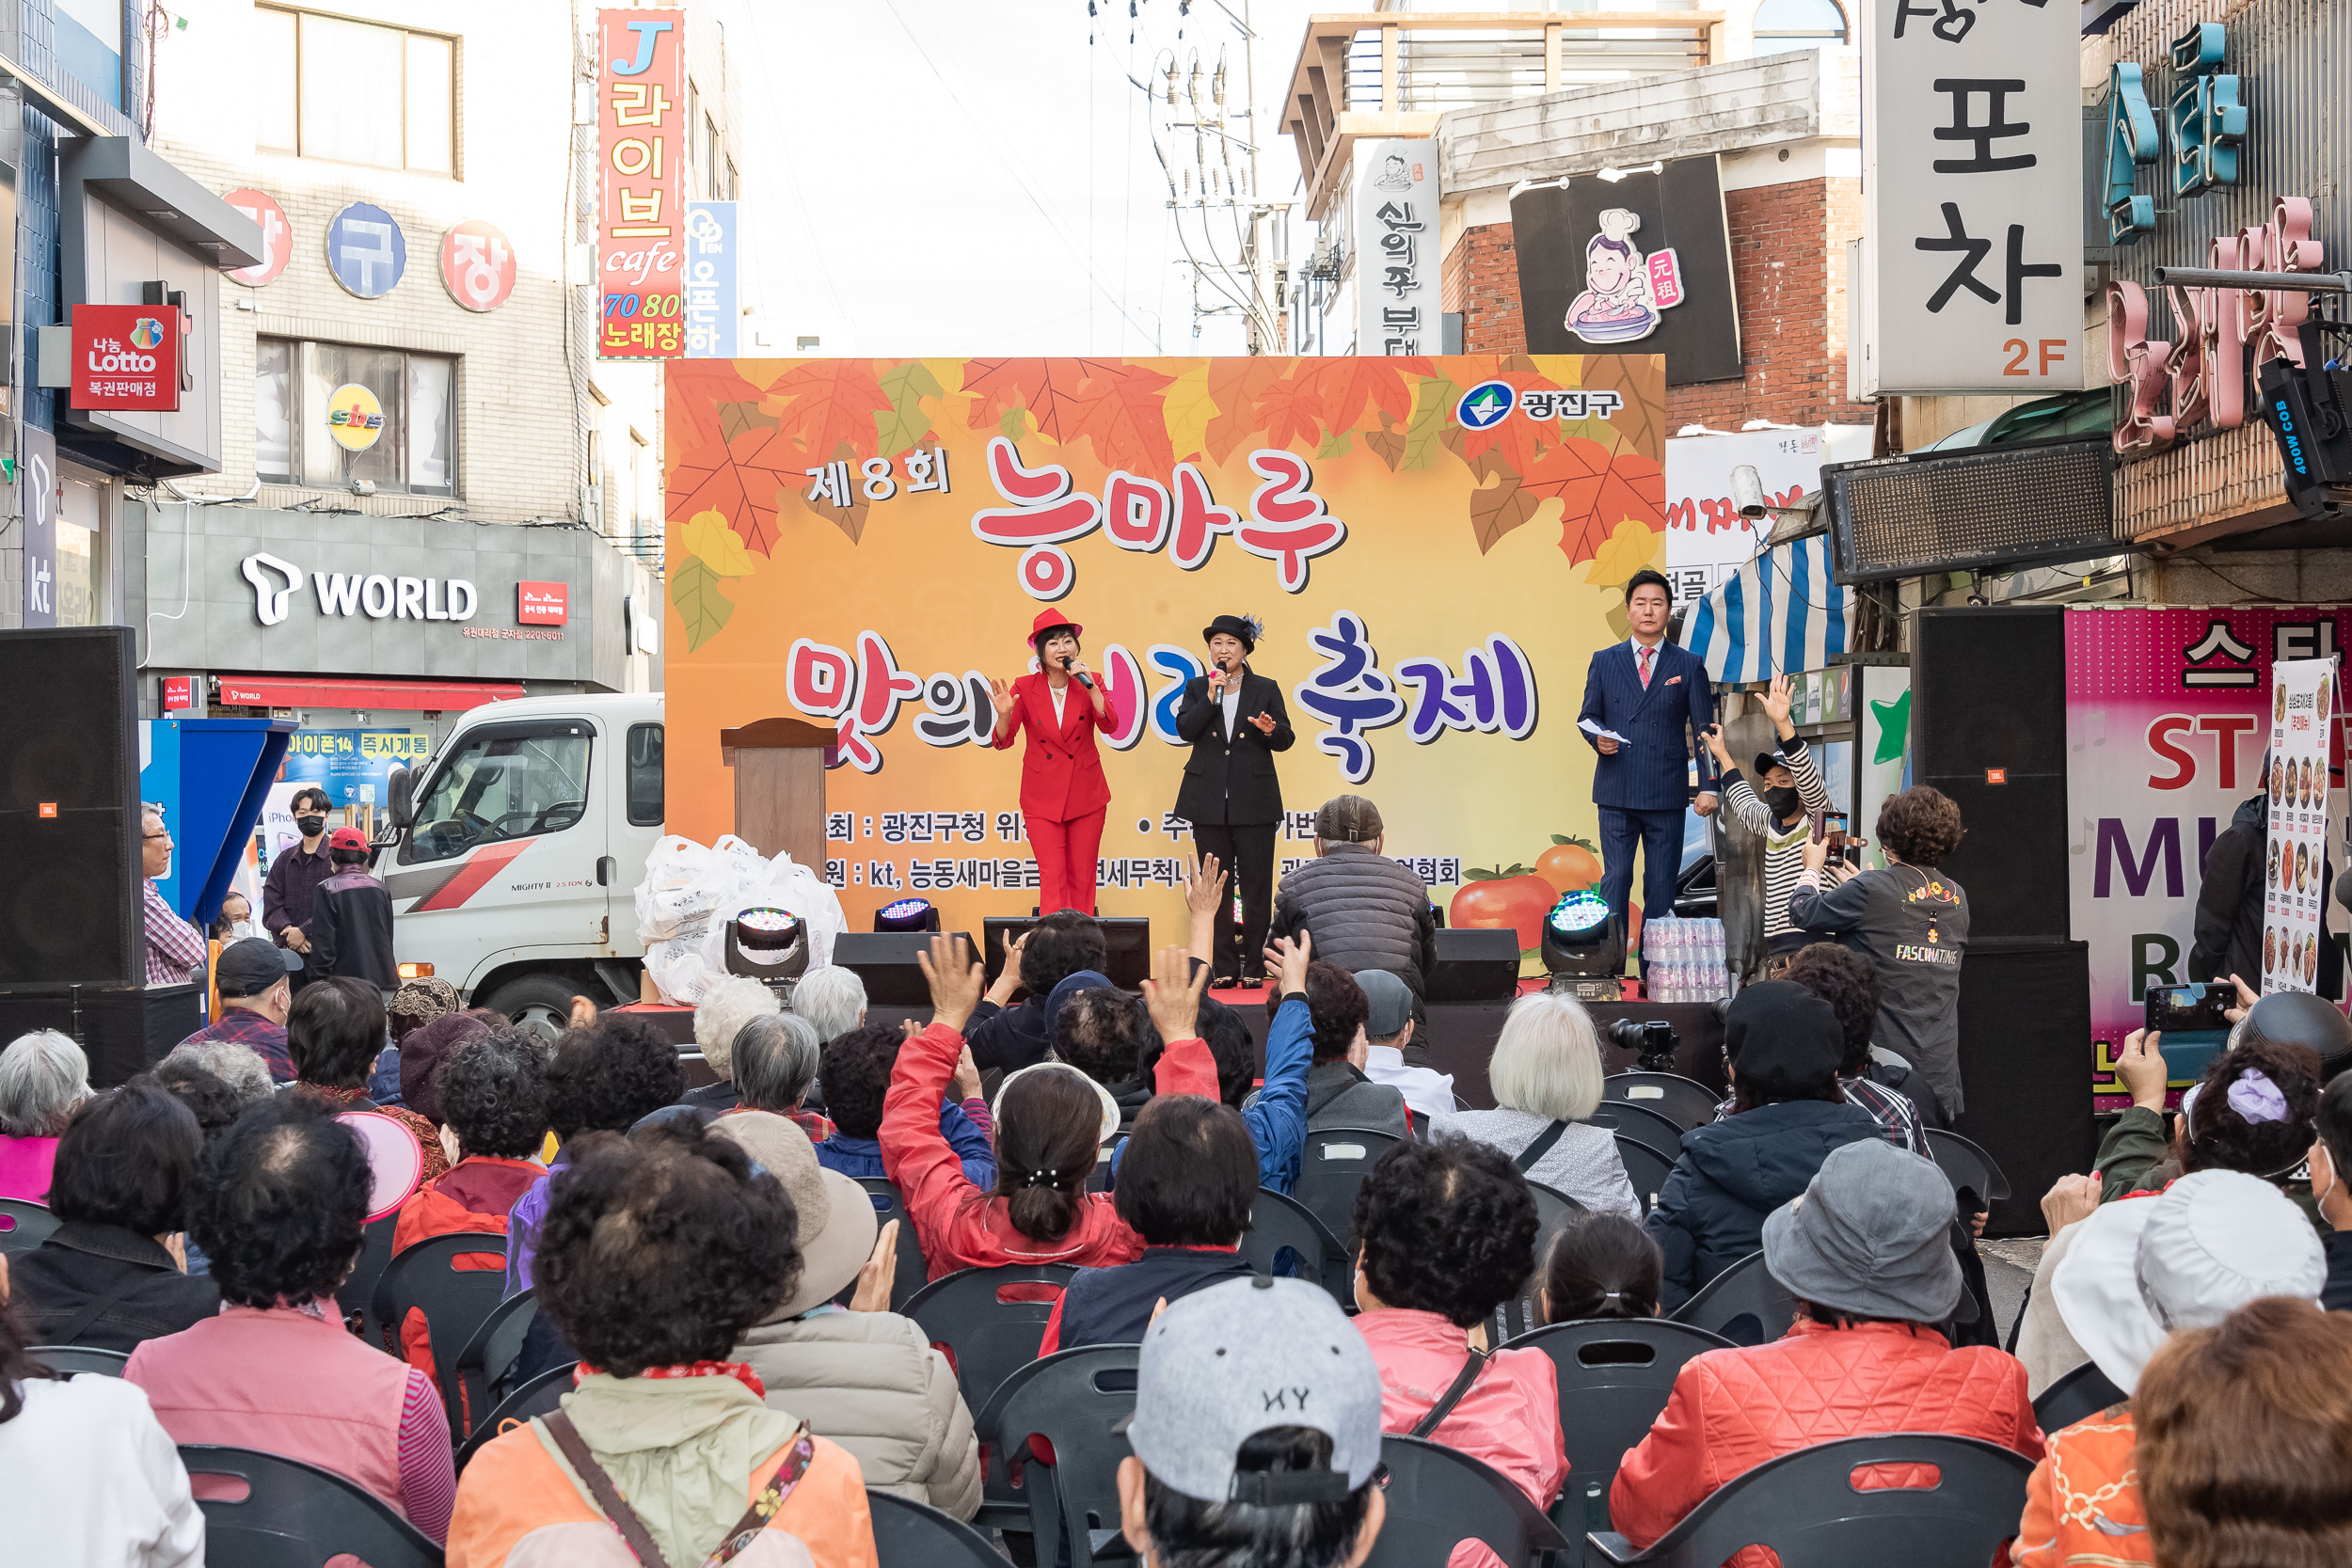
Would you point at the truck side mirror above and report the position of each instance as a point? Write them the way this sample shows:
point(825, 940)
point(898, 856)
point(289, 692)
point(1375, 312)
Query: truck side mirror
point(401, 788)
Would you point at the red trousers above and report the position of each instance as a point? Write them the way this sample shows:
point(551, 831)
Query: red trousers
point(1066, 854)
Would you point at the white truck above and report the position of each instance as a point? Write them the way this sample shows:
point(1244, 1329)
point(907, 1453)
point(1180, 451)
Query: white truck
point(518, 850)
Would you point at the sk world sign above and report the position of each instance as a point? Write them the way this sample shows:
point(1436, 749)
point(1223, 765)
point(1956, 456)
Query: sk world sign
point(126, 356)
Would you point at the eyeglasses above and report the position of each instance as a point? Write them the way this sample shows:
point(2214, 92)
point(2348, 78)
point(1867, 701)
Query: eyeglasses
point(152, 837)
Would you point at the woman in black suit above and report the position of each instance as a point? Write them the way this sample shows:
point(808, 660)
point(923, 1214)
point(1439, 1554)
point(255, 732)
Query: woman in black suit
point(1235, 722)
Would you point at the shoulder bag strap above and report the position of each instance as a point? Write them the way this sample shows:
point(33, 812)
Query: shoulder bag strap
point(1472, 1366)
point(797, 1457)
point(1541, 1146)
point(608, 1497)
point(96, 1308)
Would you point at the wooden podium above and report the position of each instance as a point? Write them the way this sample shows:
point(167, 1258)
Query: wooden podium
point(780, 787)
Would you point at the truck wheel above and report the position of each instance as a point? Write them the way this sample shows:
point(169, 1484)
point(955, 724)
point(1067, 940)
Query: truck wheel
point(539, 1003)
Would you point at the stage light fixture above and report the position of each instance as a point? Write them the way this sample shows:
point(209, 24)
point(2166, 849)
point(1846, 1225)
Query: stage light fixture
point(907, 914)
point(770, 945)
point(1584, 946)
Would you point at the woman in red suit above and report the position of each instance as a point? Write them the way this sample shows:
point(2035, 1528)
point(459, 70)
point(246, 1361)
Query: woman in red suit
point(1063, 793)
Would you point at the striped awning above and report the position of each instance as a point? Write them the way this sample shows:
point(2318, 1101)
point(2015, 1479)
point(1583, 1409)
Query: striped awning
point(1778, 615)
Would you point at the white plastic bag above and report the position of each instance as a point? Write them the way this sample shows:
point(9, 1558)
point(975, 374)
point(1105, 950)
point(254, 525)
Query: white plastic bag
point(689, 893)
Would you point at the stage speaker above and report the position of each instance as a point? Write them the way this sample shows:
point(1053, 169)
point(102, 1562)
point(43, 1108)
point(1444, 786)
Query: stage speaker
point(1988, 728)
point(1126, 942)
point(69, 904)
point(885, 961)
point(2025, 1062)
point(123, 1030)
point(1475, 963)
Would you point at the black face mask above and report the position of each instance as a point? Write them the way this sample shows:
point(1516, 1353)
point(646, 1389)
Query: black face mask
point(1782, 802)
point(311, 826)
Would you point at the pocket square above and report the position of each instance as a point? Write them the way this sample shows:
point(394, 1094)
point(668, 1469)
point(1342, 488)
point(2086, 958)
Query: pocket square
point(1674, 680)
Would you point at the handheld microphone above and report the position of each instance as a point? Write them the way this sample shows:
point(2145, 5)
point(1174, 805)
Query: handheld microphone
point(1079, 676)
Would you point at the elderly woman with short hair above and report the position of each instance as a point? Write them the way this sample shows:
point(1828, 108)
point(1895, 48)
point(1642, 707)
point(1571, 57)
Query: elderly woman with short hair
point(43, 1076)
point(833, 999)
point(1547, 1079)
point(776, 1062)
point(236, 1063)
point(729, 1005)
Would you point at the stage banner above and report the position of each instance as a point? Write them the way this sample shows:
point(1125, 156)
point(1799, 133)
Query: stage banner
point(1436, 548)
point(2168, 716)
point(2294, 893)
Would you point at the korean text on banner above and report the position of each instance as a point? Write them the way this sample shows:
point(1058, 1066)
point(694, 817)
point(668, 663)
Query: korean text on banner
point(1398, 307)
point(1972, 198)
point(2295, 894)
point(642, 142)
point(713, 309)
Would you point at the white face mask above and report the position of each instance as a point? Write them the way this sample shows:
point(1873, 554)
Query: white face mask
point(240, 929)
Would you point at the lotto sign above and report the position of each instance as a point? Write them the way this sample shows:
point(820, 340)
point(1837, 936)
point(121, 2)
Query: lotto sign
point(1435, 545)
point(477, 265)
point(277, 236)
point(354, 417)
point(642, 141)
point(1972, 197)
point(126, 356)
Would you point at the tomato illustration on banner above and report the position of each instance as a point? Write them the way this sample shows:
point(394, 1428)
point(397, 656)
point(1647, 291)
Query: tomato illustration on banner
point(277, 236)
point(477, 265)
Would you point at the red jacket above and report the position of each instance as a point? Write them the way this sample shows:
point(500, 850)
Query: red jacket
point(958, 1226)
point(472, 1197)
point(1061, 773)
point(1731, 1410)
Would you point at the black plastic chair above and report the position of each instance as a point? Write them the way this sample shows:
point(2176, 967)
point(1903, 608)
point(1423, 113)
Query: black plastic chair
point(483, 1372)
point(1335, 1163)
point(1552, 1210)
point(1439, 1497)
point(1277, 1222)
point(296, 1515)
point(357, 1293)
point(69, 1359)
point(1615, 1375)
point(539, 1396)
point(456, 1302)
point(1977, 1180)
point(914, 1273)
point(24, 1224)
point(1685, 1101)
point(1652, 1126)
point(1098, 1178)
point(1805, 1507)
point(1646, 1166)
point(2077, 1397)
point(908, 1535)
point(1744, 1304)
point(1072, 1398)
point(986, 1337)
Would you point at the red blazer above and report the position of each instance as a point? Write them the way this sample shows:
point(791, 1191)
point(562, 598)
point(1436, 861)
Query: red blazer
point(1061, 773)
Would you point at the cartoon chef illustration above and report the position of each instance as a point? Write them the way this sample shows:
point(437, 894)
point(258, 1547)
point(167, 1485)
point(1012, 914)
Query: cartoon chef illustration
point(1616, 306)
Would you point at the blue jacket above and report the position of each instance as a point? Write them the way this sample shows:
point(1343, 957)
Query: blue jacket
point(1710, 1212)
point(862, 1156)
point(1277, 1114)
point(1113, 1306)
point(1660, 724)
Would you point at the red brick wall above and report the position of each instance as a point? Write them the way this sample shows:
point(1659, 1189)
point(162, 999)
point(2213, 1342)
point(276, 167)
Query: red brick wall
point(1788, 270)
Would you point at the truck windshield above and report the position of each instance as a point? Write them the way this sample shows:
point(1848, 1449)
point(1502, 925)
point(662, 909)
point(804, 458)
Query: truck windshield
point(504, 785)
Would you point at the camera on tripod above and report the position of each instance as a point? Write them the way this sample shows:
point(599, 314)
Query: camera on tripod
point(1655, 1039)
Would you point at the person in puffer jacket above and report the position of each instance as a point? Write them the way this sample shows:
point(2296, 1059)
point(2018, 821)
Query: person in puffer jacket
point(1866, 1253)
point(1366, 910)
point(1784, 1045)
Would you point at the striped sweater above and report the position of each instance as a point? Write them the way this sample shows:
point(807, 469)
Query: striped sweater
point(1783, 851)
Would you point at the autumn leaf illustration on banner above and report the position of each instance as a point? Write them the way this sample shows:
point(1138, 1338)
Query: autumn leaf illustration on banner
point(694, 593)
point(729, 456)
point(1597, 491)
point(1233, 386)
point(1120, 408)
point(904, 424)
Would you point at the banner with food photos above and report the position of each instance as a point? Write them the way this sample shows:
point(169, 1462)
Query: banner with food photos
point(2295, 897)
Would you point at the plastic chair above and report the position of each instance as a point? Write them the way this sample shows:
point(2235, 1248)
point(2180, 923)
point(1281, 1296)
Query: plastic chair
point(480, 1375)
point(69, 1359)
point(908, 1535)
point(987, 1338)
point(914, 1273)
point(296, 1515)
point(1335, 1163)
point(1277, 1222)
point(1614, 1377)
point(1652, 1126)
point(358, 1294)
point(1552, 1210)
point(1072, 1398)
point(1646, 1166)
point(1805, 1507)
point(1685, 1101)
point(538, 1397)
point(1744, 1304)
point(1438, 1497)
point(2077, 1397)
point(24, 1224)
point(456, 1302)
point(1977, 1180)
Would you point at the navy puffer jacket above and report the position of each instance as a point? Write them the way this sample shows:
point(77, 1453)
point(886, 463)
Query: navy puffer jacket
point(1711, 1212)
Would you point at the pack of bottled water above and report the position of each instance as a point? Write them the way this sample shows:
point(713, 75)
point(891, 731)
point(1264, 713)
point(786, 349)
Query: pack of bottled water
point(1686, 959)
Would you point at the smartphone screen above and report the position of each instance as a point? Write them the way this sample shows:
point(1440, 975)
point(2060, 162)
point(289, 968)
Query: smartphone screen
point(1834, 828)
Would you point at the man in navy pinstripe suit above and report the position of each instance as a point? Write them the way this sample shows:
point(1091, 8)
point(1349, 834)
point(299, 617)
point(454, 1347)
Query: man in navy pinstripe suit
point(1651, 697)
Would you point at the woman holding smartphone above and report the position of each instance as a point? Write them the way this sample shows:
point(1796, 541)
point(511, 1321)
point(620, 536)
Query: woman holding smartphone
point(1778, 808)
point(1064, 795)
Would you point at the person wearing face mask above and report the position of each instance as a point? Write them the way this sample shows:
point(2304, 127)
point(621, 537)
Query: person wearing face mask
point(296, 873)
point(255, 991)
point(1778, 808)
point(2331, 1188)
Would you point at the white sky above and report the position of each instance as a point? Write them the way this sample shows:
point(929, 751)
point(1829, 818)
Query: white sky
point(969, 177)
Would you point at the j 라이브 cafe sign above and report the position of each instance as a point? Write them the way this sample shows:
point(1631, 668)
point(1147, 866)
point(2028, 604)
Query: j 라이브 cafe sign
point(642, 139)
point(126, 356)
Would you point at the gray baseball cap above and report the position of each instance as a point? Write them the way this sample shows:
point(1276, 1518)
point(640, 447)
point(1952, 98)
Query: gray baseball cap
point(1227, 1362)
point(1391, 1002)
point(1871, 1236)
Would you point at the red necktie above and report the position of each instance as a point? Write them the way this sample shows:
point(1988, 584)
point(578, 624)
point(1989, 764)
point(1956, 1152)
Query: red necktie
point(1645, 659)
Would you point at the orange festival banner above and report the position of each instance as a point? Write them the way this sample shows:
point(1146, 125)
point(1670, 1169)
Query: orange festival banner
point(1435, 546)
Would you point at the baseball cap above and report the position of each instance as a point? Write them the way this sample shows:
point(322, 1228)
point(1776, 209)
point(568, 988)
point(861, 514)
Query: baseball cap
point(1767, 761)
point(1391, 1003)
point(1224, 1364)
point(1349, 819)
point(251, 966)
point(1871, 1236)
point(1782, 1038)
point(346, 838)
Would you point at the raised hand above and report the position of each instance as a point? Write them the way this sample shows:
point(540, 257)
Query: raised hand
point(1713, 736)
point(1778, 700)
point(1173, 996)
point(954, 978)
point(879, 1273)
point(1291, 959)
point(1205, 886)
point(1001, 694)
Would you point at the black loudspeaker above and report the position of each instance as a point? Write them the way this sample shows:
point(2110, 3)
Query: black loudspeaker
point(123, 1030)
point(1475, 963)
point(1988, 728)
point(1126, 942)
point(885, 961)
point(69, 904)
point(2026, 1063)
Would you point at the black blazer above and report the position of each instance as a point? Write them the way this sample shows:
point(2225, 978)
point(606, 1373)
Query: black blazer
point(1231, 784)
